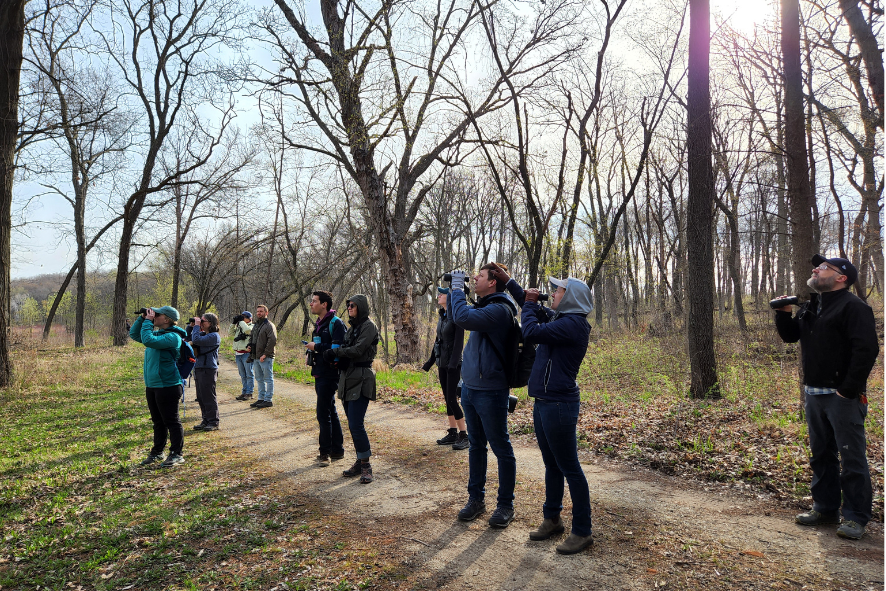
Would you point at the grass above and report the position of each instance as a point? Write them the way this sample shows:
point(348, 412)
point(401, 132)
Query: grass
point(77, 511)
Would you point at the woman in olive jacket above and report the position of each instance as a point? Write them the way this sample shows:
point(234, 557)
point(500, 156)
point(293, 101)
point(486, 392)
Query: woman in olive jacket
point(356, 383)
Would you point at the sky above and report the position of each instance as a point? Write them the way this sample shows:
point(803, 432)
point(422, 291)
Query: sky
point(38, 248)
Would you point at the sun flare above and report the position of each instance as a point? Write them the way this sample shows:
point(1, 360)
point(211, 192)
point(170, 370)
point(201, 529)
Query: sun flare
point(744, 15)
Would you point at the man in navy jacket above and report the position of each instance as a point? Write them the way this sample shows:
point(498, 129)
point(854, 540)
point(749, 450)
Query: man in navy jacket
point(484, 394)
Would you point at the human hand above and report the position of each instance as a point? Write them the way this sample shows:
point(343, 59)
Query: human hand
point(150, 314)
point(531, 295)
point(458, 280)
point(310, 346)
point(500, 274)
point(262, 358)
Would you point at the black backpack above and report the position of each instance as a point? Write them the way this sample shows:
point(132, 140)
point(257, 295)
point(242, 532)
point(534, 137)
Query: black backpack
point(518, 356)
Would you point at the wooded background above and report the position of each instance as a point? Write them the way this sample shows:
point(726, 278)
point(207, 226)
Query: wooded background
point(214, 156)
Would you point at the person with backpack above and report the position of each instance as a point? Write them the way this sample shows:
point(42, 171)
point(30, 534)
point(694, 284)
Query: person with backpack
point(261, 347)
point(561, 333)
point(207, 340)
point(484, 395)
point(356, 384)
point(241, 328)
point(329, 333)
point(447, 356)
point(156, 329)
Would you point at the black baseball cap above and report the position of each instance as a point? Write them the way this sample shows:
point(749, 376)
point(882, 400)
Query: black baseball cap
point(846, 268)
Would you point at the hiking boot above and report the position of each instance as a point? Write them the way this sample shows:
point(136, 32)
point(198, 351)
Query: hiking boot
point(323, 460)
point(151, 459)
point(461, 441)
point(502, 517)
point(244, 397)
point(337, 457)
point(473, 509)
point(365, 473)
point(354, 470)
point(814, 517)
point(200, 427)
point(173, 459)
point(850, 530)
point(449, 438)
point(548, 528)
point(574, 544)
point(210, 428)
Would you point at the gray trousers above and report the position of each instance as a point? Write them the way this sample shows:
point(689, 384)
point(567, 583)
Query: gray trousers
point(205, 378)
point(836, 425)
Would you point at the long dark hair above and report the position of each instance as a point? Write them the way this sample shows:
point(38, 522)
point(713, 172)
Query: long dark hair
point(213, 321)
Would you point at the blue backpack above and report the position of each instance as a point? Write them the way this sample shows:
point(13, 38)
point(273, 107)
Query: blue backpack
point(186, 360)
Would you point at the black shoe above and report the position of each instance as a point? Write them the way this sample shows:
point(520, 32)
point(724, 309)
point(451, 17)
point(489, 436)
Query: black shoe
point(814, 517)
point(337, 457)
point(256, 403)
point(354, 470)
point(323, 459)
point(473, 509)
point(200, 427)
point(244, 397)
point(151, 459)
point(461, 441)
point(502, 517)
point(210, 428)
point(449, 438)
point(263, 404)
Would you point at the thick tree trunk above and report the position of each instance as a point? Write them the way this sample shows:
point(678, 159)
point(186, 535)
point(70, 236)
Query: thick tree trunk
point(870, 51)
point(121, 283)
point(12, 32)
point(699, 211)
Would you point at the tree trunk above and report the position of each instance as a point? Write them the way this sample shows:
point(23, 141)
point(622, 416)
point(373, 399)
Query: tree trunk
point(121, 282)
point(699, 211)
point(12, 34)
point(870, 51)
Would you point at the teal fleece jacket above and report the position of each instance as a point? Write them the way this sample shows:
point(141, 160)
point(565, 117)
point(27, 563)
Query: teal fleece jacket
point(161, 352)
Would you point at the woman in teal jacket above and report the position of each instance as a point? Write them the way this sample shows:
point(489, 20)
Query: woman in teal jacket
point(156, 329)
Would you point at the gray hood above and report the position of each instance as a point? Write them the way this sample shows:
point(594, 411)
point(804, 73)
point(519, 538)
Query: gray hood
point(578, 298)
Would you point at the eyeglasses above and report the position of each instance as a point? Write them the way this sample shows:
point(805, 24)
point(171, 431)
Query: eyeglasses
point(826, 267)
point(352, 306)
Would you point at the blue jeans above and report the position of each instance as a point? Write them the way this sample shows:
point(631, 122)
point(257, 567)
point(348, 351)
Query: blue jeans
point(486, 415)
point(245, 369)
point(555, 431)
point(264, 377)
point(355, 410)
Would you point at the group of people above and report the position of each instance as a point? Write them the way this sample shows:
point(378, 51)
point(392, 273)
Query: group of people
point(836, 330)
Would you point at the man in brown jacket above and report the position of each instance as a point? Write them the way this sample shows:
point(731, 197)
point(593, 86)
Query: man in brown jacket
point(262, 341)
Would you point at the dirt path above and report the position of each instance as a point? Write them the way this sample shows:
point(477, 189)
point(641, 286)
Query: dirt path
point(650, 530)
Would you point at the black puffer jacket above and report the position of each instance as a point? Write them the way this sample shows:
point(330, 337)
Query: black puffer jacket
point(359, 348)
point(839, 342)
point(448, 344)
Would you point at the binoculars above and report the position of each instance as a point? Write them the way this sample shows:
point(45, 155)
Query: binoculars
point(782, 302)
point(141, 311)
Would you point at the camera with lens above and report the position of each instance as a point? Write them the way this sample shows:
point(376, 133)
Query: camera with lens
point(238, 319)
point(782, 302)
point(141, 311)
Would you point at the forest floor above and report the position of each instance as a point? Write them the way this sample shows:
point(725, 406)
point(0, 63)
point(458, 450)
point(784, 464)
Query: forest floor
point(651, 530)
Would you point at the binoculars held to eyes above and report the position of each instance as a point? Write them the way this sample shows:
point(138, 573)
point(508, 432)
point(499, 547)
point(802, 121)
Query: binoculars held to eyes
point(141, 311)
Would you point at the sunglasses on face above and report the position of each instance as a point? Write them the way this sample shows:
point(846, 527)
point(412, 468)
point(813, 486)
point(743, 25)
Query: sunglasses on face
point(352, 306)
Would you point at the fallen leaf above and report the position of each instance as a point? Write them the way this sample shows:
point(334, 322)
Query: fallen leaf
point(753, 553)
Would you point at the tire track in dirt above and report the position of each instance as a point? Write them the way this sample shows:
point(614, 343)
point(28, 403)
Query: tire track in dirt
point(632, 509)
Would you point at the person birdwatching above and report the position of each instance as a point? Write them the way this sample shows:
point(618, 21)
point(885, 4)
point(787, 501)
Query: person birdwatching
point(156, 329)
point(328, 333)
point(207, 340)
point(261, 347)
point(484, 395)
point(561, 333)
point(240, 329)
point(838, 346)
point(356, 384)
point(446, 355)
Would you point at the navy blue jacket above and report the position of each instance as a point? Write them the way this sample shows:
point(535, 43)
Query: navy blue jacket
point(208, 343)
point(493, 314)
point(328, 329)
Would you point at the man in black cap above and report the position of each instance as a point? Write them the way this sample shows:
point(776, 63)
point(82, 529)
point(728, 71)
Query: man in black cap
point(839, 345)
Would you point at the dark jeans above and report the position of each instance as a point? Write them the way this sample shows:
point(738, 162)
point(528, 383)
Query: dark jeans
point(837, 424)
point(555, 431)
point(449, 384)
point(331, 437)
point(205, 379)
point(355, 410)
point(486, 415)
point(163, 404)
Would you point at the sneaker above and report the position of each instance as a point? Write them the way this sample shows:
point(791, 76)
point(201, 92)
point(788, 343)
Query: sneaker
point(337, 457)
point(210, 428)
point(244, 397)
point(473, 509)
point(200, 427)
point(173, 459)
point(365, 473)
point(263, 404)
point(461, 441)
point(151, 459)
point(448, 439)
point(850, 530)
point(548, 528)
point(502, 517)
point(256, 403)
point(575, 544)
point(814, 517)
point(354, 470)
point(323, 460)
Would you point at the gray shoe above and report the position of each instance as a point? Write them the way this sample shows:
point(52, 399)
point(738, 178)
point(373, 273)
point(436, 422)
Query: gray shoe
point(173, 459)
point(323, 460)
point(575, 544)
point(813, 517)
point(151, 459)
point(548, 528)
point(502, 517)
point(850, 530)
